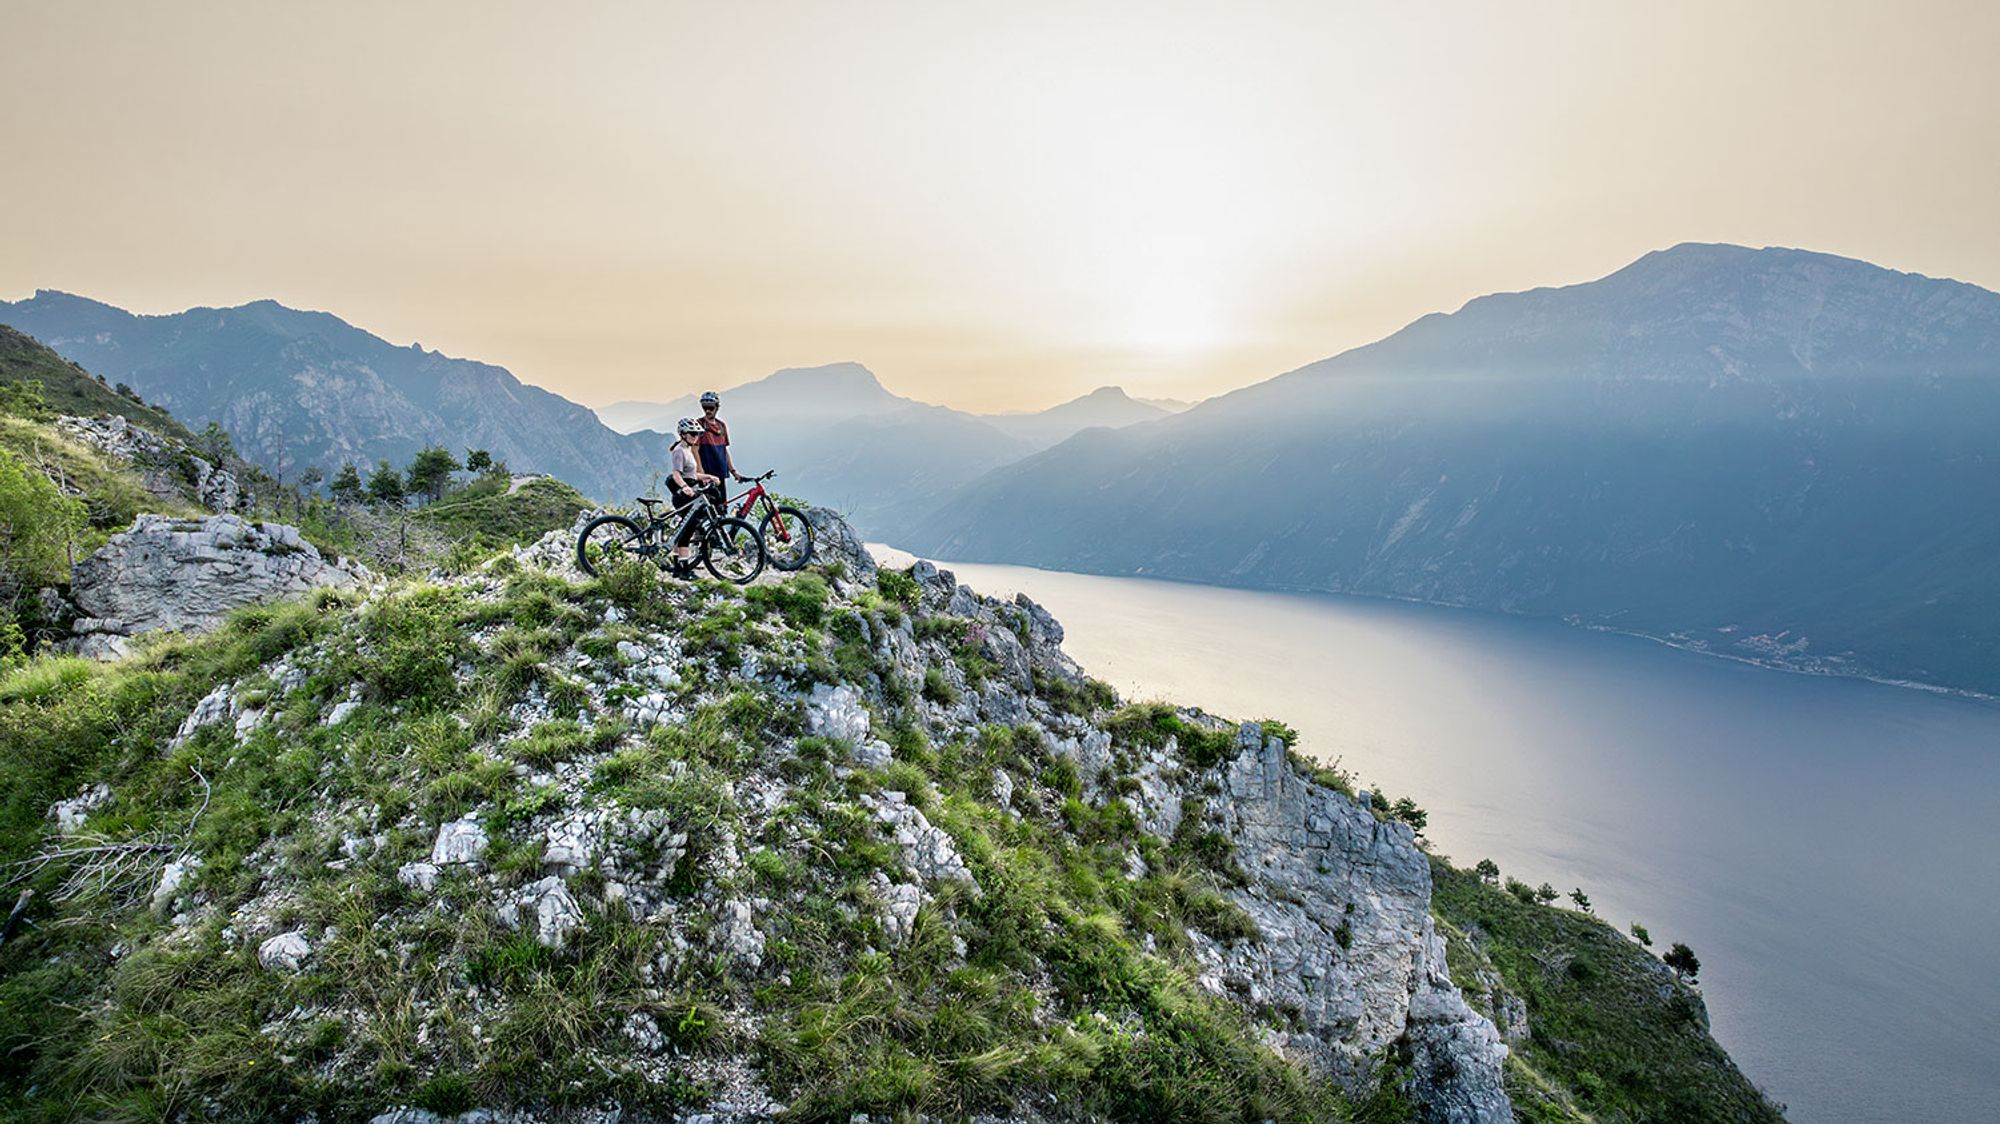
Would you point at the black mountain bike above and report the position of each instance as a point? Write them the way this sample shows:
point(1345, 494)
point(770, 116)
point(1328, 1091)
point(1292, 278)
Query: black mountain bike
point(730, 548)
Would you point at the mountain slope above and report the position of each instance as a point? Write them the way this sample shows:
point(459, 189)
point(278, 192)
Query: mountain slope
point(859, 842)
point(68, 389)
point(1773, 454)
point(305, 388)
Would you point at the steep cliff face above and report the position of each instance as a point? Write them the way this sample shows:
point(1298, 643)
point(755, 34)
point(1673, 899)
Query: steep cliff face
point(856, 842)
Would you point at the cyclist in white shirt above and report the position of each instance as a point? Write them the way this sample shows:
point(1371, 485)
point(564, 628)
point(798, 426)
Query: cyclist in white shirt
point(688, 479)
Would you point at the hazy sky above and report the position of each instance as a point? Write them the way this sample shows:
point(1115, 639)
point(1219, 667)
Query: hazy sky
point(992, 205)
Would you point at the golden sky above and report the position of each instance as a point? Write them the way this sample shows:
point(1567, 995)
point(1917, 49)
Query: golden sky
point(993, 206)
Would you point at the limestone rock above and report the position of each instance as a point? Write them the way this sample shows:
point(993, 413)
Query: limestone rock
point(460, 841)
point(736, 934)
point(836, 712)
point(214, 707)
point(928, 852)
point(418, 876)
point(188, 574)
point(1003, 789)
point(406, 1115)
point(70, 814)
point(285, 952)
point(570, 846)
point(172, 876)
point(901, 902)
point(1343, 903)
point(835, 541)
point(546, 909)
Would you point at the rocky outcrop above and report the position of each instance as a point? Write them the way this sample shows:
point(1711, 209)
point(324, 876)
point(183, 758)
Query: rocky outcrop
point(187, 574)
point(1349, 949)
point(754, 810)
point(834, 540)
point(167, 468)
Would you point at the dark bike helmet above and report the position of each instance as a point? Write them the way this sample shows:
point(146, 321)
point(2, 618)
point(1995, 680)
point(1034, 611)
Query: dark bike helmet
point(691, 427)
point(711, 398)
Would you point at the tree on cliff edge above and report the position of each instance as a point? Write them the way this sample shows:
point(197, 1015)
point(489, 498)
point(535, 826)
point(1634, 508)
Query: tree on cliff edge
point(1682, 960)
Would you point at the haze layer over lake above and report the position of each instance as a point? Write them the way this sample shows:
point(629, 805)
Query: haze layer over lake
point(1825, 845)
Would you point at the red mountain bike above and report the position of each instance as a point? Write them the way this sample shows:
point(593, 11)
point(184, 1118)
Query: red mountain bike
point(783, 529)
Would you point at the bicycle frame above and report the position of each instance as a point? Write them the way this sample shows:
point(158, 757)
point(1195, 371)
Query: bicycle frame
point(750, 500)
point(656, 528)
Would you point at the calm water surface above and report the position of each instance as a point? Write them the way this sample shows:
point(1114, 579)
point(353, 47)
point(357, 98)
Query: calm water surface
point(1826, 846)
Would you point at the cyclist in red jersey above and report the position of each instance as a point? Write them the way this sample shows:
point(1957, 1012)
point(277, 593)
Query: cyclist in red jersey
point(714, 448)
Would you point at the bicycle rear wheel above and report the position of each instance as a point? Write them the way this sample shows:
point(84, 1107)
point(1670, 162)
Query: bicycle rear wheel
point(787, 538)
point(609, 541)
point(730, 550)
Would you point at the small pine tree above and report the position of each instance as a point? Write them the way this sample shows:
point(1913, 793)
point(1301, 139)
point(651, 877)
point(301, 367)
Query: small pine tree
point(214, 444)
point(1581, 899)
point(1682, 960)
point(1640, 934)
point(346, 486)
point(431, 470)
point(478, 460)
point(385, 484)
point(1406, 809)
point(1546, 893)
point(1487, 870)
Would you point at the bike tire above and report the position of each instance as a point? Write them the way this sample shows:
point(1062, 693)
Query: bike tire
point(731, 551)
point(787, 537)
point(607, 539)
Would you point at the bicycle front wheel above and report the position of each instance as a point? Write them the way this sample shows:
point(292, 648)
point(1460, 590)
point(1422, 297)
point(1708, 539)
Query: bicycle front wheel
point(730, 550)
point(787, 538)
point(607, 542)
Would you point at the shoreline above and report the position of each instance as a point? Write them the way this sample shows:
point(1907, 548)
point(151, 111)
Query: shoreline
point(1692, 647)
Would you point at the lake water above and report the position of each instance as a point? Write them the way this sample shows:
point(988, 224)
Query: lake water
point(1826, 846)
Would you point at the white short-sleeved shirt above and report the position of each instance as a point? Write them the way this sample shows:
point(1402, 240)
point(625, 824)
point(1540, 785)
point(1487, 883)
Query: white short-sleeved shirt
point(685, 461)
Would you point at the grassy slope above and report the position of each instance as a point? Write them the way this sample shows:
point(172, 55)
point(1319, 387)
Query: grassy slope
point(1056, 1003)
point(483, 513)
point(111, 494)
point(68, 389)
point(1614, 1036)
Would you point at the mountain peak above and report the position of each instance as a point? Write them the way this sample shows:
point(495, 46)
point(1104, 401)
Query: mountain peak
point(57, 299)
point(846, 374)
point(1689, 260)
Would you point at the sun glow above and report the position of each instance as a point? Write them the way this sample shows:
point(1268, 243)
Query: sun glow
point(1172, 316)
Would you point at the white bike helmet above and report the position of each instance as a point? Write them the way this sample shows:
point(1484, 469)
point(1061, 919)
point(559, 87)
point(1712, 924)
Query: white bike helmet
point(690, 427)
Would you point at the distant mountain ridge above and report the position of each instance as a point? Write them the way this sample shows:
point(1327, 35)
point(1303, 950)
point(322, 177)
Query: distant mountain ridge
point(1773, 454)
point(836, 435)
point(296, 388)
point(1107, 406)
